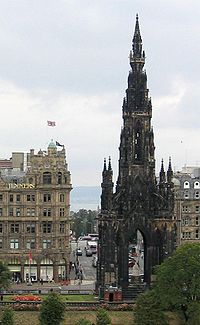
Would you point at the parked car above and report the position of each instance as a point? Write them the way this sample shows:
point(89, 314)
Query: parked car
point(79, 252)
point(88, 252)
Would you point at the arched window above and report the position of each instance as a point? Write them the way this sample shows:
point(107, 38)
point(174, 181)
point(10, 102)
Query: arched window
point(186, 184)
point(46, 178)
point(59, 178)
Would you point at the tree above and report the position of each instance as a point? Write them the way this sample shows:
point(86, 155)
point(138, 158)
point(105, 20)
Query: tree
point(52, 310)
point(83, 321)
point(7, 318)
point(5, 276)
point(178, 280)
point(102, 317)
point(148, 311)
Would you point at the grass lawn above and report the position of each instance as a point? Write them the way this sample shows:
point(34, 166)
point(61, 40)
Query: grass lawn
point(117, 317)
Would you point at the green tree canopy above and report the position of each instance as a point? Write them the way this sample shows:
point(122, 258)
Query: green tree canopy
point(148, 311)
point(52, 310)
point(178, 279)
point(7, 318)
point(5, 276)
point(102, 317)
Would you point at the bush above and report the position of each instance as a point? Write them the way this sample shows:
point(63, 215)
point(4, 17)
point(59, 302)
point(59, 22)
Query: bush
point(52, 310)
point(102, 317)
point(7, 318)
point(83, 321)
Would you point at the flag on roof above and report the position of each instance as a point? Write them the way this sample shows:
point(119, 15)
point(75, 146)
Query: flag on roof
point(51, 123)
point(58, 144)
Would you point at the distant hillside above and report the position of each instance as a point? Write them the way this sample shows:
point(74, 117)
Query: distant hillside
point(85, 197)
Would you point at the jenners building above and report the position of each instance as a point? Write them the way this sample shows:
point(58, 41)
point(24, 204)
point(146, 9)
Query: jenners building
point(34, 214)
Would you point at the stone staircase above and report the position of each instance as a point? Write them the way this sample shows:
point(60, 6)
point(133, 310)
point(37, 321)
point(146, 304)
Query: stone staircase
point(133, 291)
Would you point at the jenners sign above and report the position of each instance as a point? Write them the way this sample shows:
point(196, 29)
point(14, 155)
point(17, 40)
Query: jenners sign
point(22, 185)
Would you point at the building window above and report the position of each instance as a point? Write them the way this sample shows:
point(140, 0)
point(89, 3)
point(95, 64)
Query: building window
point(18, 212)
point(18, 197)
point(10, 211)
point(30, 212)
point(46, 178)
point(30, 244)
point(46, 227)
point(30, 197)
point(62, 227)
point(47, 197)
point(30, 228)
point(62, 212)
point(197, 210)
point(186, 195)
point(59, 178)
point(14, 228)
point(1, 243)
point(186, 184)
point(11, 198)
point(46, 243)
point(14, 243)
point(197, 234)
point(197, 221)
point(1, 197)
point(46, 212)
point(197, 195)
point(185, 208)
point(1, 212)
point(196, 185)
point(1, 228)
point(185, 221)
point(62, 198)
point(186, 235)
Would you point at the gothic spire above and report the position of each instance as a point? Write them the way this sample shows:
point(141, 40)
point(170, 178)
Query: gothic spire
point(169, 172)
point(104, 165)
point(162, 173)
point(137, 56)
point(109, 164)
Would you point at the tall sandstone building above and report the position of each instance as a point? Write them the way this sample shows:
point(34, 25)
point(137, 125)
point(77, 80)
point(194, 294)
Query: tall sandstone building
point(139, 203)
point(34, 215)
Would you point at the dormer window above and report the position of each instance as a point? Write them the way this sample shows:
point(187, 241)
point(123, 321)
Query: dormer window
point(197, 185)
point(186, 184)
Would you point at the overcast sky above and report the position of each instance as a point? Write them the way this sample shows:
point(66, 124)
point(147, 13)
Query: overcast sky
point(67, 61)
